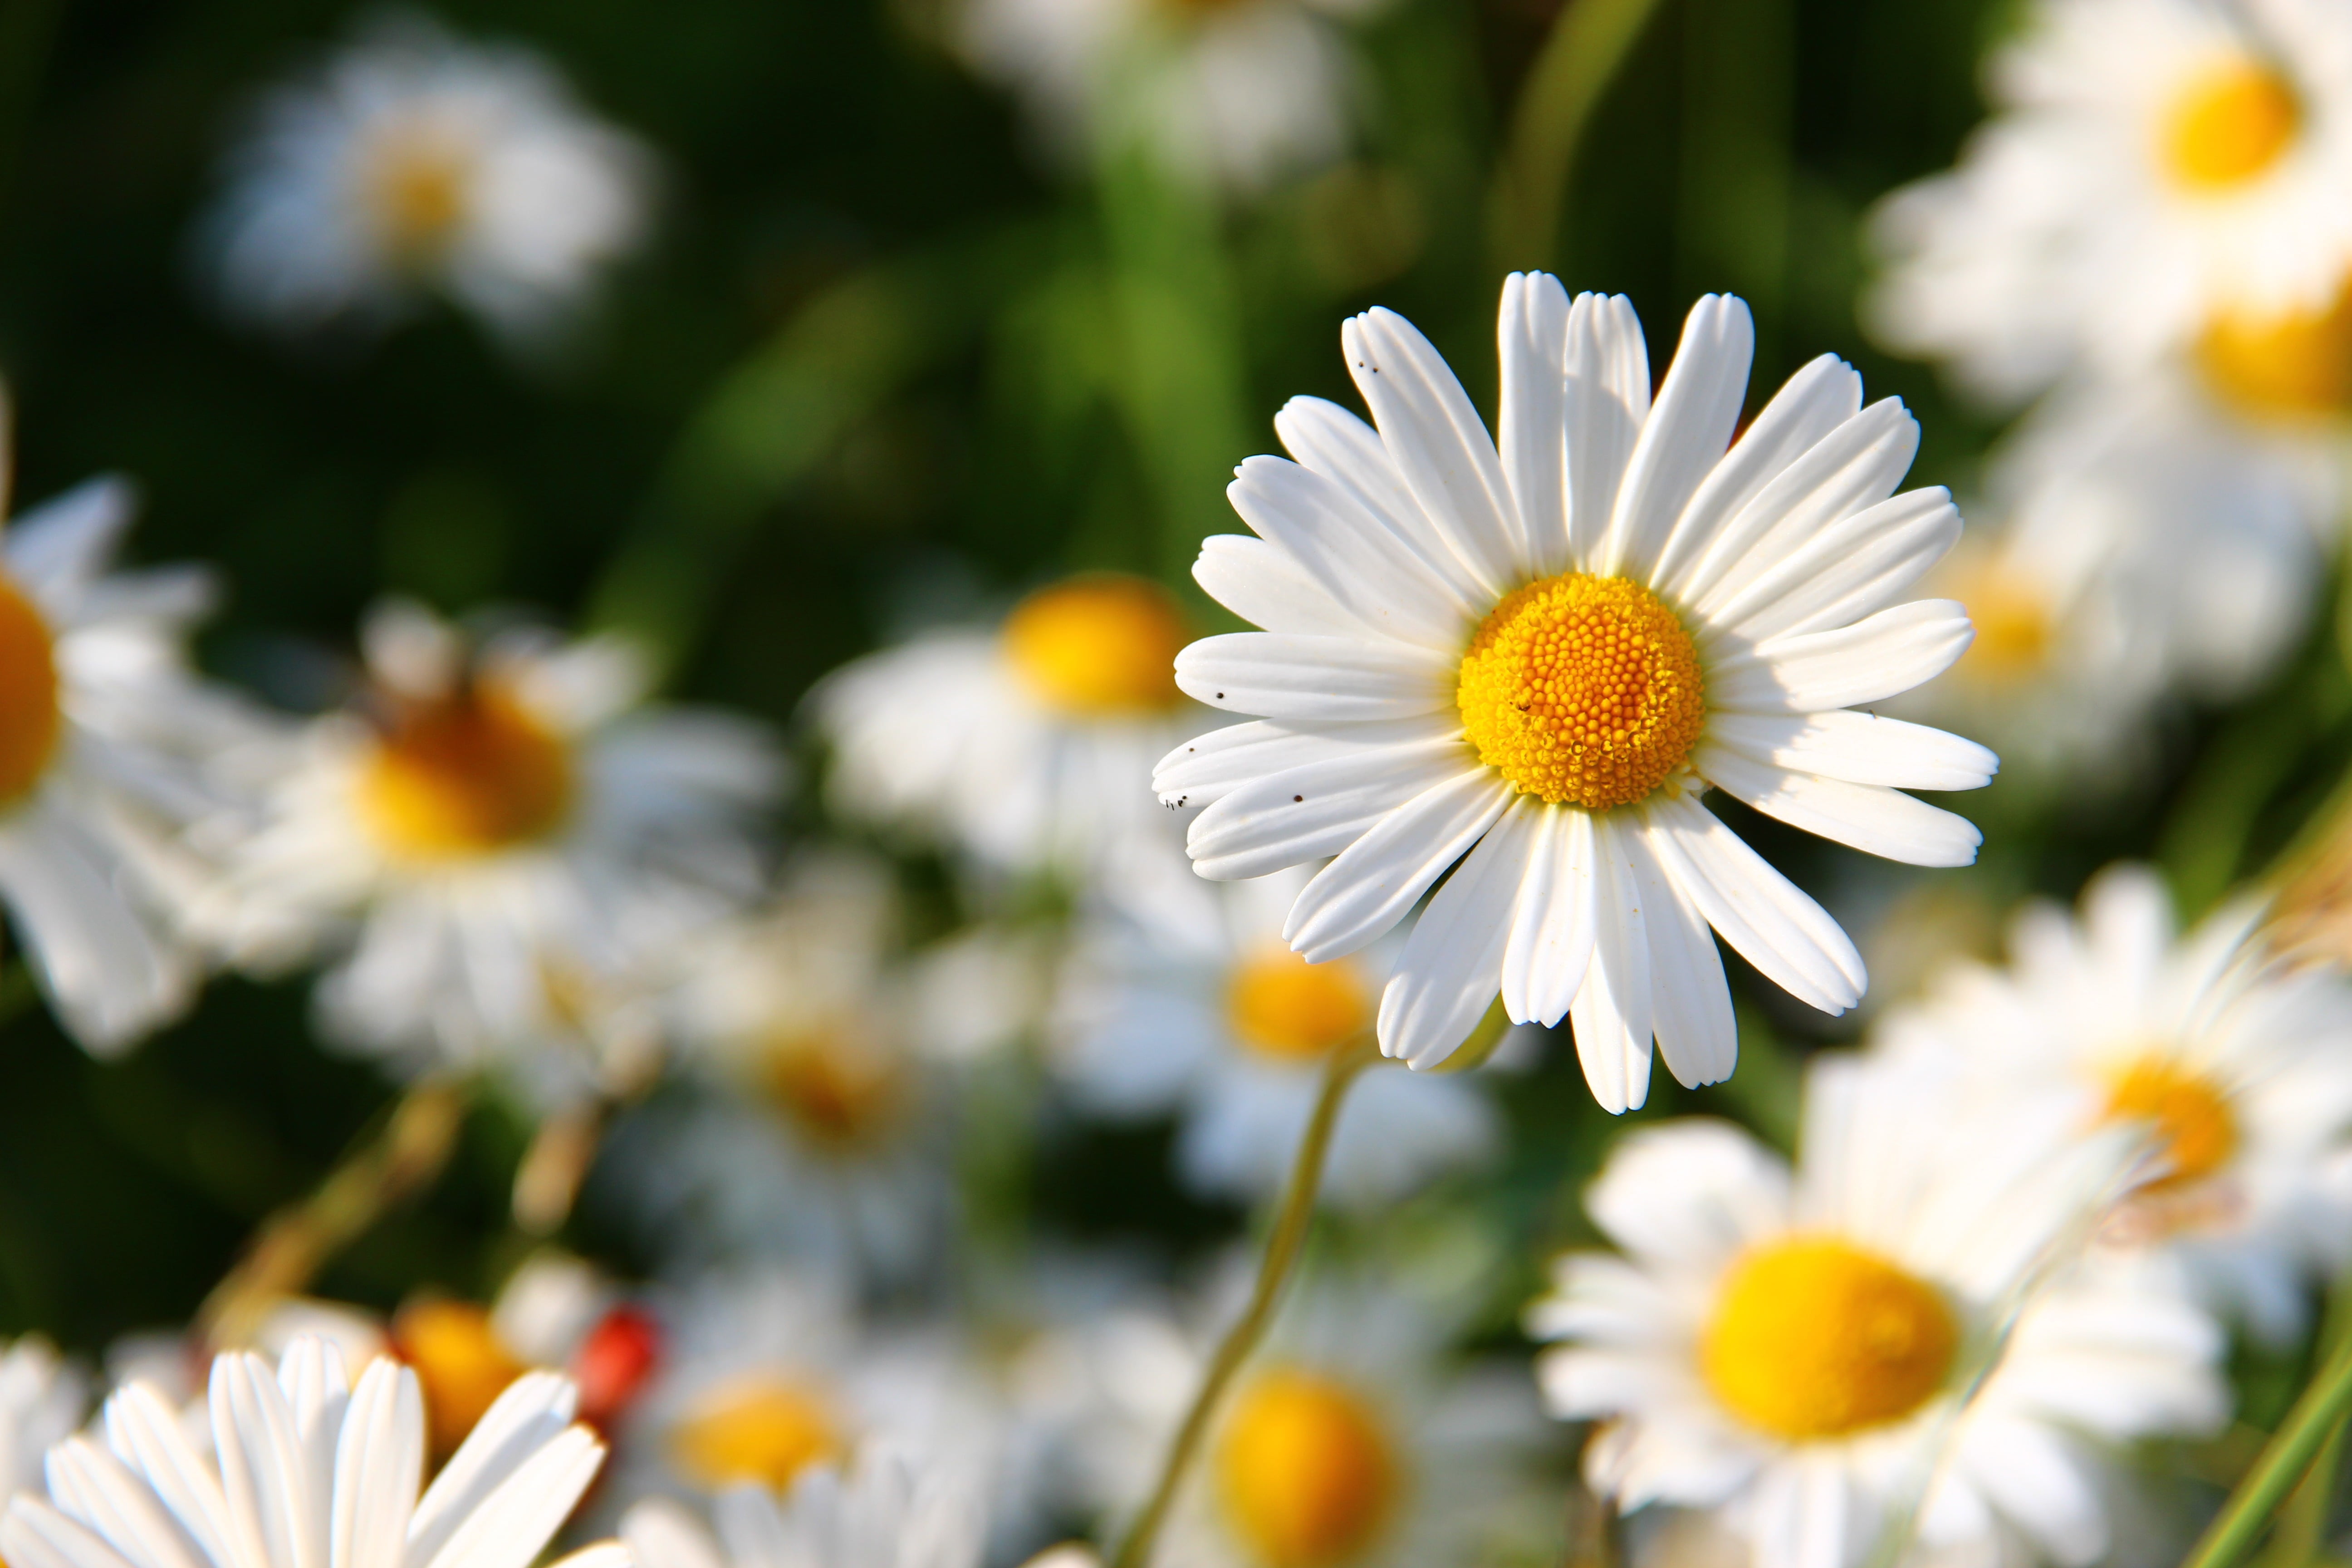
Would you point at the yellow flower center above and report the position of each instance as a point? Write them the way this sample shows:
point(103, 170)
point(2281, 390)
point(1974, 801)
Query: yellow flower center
point(1582, 688)
point(2297, 365)
point(1305, 1471)
point(29, 718)
point(1813, 1338)
point(417, 188)
point(1285, 1008)
point(2191, 1114)
point(2233, 121)
point(767, 1429)
point(459, 1359)
point(831, 1089)
point(468, 775)
point(2013, 622)
point(1100, 646)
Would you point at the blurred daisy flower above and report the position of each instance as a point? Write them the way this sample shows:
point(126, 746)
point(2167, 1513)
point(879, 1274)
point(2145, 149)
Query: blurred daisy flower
point(519, 840)
point(1214, 1018)
point(2160, 174)
point(2242, 1069)
point(828, 1142)
point(1353, 1439)
point(1236, 92)
point(43, 1398)
point(1027, 747)
point(882, 1513)
point(1533, 660)
point(410, 162)
point(305, 1467)
point(108, 738)
point(1799, 1350)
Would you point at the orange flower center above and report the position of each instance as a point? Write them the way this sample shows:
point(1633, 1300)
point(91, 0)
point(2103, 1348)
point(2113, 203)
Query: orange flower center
point(2295, 366)
point(1099, 646)
point(2013, 623)
point(30, 721)
point(764, 1429)
point(417, 187)
point(831, 1087)
point(1305, 1471)
point(468, 776)
point(1283, 1008)
point(459, 1359)
point(2188, 1112)
point(2235, 121)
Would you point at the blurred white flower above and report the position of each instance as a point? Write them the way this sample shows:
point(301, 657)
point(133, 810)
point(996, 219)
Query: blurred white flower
point(1206, 1012)
point(2158, 173)
point(410, 161)
point(106, 741)
point(304, 1467)
point(1237, 92)
point(884, 1514)
point(1796, 1350)
point(521, 843)
point(1353, 1439)
point(2243, 1068)
point(1027, 747)
point(42, 1397)
point(1522, 662)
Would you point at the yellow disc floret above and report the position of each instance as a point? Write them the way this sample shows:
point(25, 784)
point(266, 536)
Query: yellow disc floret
point(1583, 690)
point(1813, 1338)
point(765, 1429)
point(1100, 645)
point(2295, 366)
point(2014, 626)
point(2235, 121)
point(834, 1088)
point(1285, 1008)
point(1305, 1471)
point(417, 187)
point(461, 1364)
point(29, 718)
point(468, 775)
point(2191, 1115)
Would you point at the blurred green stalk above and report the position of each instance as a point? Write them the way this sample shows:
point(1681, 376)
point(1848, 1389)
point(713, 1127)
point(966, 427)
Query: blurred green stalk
point(1580, 59)
point(2310, 1428)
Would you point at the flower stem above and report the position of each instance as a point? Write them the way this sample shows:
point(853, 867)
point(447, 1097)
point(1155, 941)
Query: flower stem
point(2318, 1415)
point(1282, 1248)
point(1579, 60)
point(396, 1159)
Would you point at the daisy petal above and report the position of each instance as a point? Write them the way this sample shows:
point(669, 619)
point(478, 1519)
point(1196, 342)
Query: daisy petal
point(1608, 399)
point(1868, 817)
point(659, 1532)
point(1317, 809)
point(1790, 940)
point(1689, 1193)
point(1206, 767)
point(100, 1490)
point(532, 1413)
point(379, 1463)
point(1531, 332)
point(35, 1535)
point(1278, 676)
point(1334, 443)
point(1612, 1014)
point(1551, 923)
point(1860, 748)
point(1372, 884)
point(1815, 401)
point(1361, 563)
point(1444, 980)
point(1683, 438)
point(1868, 661)
point(512, 1525)
point(145, 1434)
point(1437, 441)
point(1852, 568)
point(1266, 587)
point(1690, 1000)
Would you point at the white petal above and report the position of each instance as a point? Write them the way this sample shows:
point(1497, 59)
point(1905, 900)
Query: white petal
point(512, 1526)
point(1690, 1000)
point(1869, 661)
point(660, 1534)
point(1851, 568)
point(1689, 428)
point(1342, 448)
point(1860, 748)
point(1815, 401)
point(1266, 587)
point(261, 1463)
point(1317, 809)
point(146, 1433)
point(1278, 676)
point(35, 1535)
point(1204, 768)
point(1790, 940)
point(1608, 399)
point(63, 544)
point(1551, 922)
point(1612, 1014)
point(1445, 977)
point(96, 1488)
point(379, 1463)
point(1358, 561)
point(1437, 441)
point(1372, 884)
point(1531, 332)
point(533, 1412)
point(1868, 817)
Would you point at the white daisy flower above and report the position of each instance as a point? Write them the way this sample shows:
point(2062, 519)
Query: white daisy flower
point(42, 1397)
point(1532, 661)
point(107, 736)
point(1237, 92)
point(827, 1141)
point(515, 837)
point(2156, 169)
point(1353, 1439)
point(1213, 1017)
point(1795, 1350)
point(1027, 746)
point(2243, 1068)
point(306, 1468)
point(884, 1514)
point(410, 161)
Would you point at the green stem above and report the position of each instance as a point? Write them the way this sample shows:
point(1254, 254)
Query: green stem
point(2303, 1522)
point(1281, 1255)
point(1580, 59)
point(2316, 1417)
